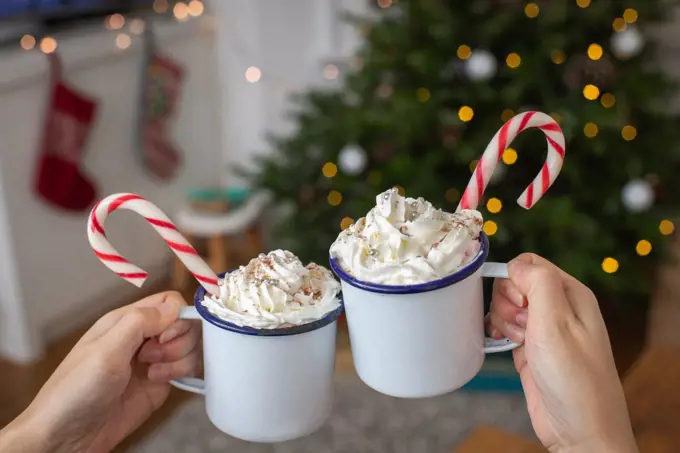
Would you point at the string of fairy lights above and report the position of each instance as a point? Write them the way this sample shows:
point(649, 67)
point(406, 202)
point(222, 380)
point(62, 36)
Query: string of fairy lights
point(182, 12)
point(513, 60)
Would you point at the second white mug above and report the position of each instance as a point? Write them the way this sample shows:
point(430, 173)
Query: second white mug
point(423, 340)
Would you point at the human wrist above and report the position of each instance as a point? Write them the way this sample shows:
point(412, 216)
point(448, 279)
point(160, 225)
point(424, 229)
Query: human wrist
point(600, 446)
point(25, 436)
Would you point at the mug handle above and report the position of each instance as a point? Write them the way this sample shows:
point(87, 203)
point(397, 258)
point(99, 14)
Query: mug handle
point(491, 345)
point(193, 385)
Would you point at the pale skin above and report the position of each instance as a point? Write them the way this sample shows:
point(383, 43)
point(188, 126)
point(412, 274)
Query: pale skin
point(573, 392)
point(117, 375)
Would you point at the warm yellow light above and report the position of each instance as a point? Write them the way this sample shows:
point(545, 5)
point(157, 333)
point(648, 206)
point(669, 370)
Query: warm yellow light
point(465, 113)
point(27, 42)
point(507, 115)
point(590, 130)
point(513, 60)
point(610, 265)
point(160, 6)
point(556, 116)
point(494, 205)
point(196, 8)
point(490, 227)
point(643, 248)
point(114, 22)
point(374, 177)
point(464, 52)
point(473, 165)
point(619, 24)
point(666, 227)
point(531, 10)
point(346, 223)
point(123, 41)
point(630, 15)
point(329, 169)
point(628, 133)
point(330, 72)
point(384, 3)
point(180, 11)
point(583, 3)
point(334, 198)
point(557, 56)
point(137, 26)
point(423, 94)
point(509, 156)
point(452, 195)
point(591, 92)
point(48, 44)
point(608, 100)
point(400, 190)
point(595, 51)
point(253, 74)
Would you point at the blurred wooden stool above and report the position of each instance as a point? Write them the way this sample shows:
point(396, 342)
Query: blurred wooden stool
point(215, 217)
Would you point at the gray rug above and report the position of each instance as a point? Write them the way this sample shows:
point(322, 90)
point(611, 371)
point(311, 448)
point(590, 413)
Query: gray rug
point(362, 421)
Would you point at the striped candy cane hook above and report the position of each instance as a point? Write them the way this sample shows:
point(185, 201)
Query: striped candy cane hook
point(161, 223)
point(494, 151)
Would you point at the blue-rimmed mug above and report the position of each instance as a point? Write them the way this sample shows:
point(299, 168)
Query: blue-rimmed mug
point(264, 385)
point(423, 340)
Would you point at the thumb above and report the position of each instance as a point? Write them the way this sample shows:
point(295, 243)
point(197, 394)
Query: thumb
point(542, 285)
point(141, 323)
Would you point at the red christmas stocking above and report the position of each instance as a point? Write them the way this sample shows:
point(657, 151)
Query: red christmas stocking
point(68, 122)
point(162, 82)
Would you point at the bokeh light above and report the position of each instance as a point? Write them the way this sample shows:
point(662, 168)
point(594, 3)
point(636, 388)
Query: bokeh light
point(494, 205)
point(643, 248)
point(509, 156)
point(490, 227)
point(610, 265)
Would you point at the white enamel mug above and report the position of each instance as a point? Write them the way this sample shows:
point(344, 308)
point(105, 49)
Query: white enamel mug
point(417, 341)
point(264, 385)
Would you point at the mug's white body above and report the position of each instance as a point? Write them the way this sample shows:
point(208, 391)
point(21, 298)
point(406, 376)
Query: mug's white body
point(268, 388)
point(417, 345)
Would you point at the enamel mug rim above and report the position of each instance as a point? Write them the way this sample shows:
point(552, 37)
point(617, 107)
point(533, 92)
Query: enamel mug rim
point(460, 275)
point(205, 314)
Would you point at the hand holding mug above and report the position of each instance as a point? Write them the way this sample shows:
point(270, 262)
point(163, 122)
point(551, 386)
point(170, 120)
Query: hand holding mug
point(105, 388)
point(573, 391)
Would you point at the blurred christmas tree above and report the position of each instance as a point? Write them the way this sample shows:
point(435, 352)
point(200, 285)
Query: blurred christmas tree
point(433, 83)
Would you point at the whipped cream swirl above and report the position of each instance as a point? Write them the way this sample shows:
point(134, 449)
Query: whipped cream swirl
point(275, 291)
point(404, 241)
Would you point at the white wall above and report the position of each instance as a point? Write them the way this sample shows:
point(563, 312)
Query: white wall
point(290, 41)
point(58, 275)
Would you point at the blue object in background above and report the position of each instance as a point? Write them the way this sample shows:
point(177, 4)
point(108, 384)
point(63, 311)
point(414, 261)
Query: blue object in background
point(12, 7)
point(49, 6)
point(497, 375)
point(234, 195)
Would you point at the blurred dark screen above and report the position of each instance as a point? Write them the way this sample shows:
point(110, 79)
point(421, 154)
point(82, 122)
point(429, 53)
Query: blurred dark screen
point(18, 17)
point(46, 8)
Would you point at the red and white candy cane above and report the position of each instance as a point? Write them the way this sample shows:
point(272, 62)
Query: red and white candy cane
point(494, 151)
point(161, 223)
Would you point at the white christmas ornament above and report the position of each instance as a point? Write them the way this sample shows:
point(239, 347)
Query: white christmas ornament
point(498, 174)
point(352, 159)
point(481, 65)
point(637, 195)
point(627, 43)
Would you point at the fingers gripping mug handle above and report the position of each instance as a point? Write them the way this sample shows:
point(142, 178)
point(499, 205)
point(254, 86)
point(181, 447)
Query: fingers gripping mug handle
point(193, 385)
point(497, 270)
